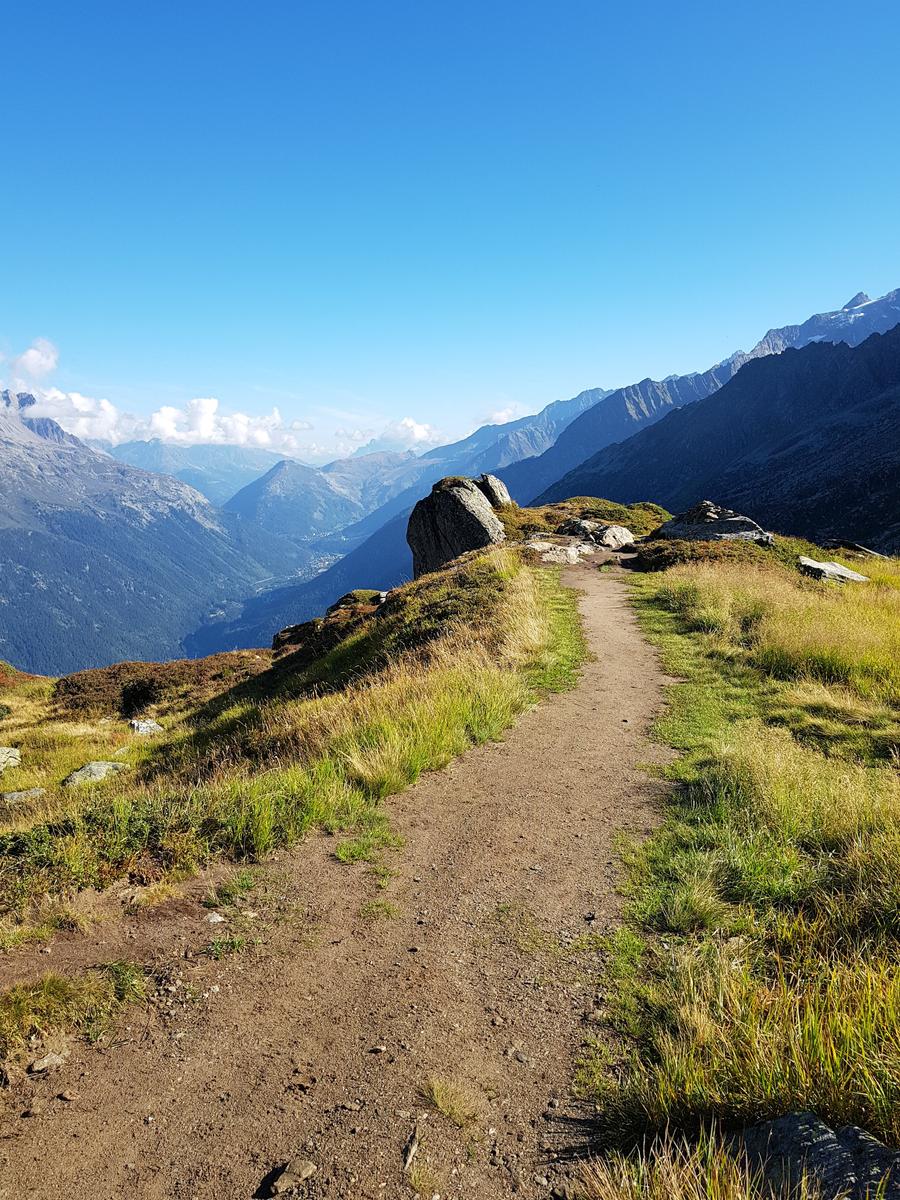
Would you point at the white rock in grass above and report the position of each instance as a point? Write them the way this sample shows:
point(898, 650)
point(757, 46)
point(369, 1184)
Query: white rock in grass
point(9, 757)
point(829, 570)
point(92, 772)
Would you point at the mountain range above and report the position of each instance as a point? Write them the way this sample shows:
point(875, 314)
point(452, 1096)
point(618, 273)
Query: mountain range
point(805, 441)
point(104, 560)
point(217, 472)
point(624, 412)
point(100, 561)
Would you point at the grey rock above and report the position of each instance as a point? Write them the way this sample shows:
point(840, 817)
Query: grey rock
point(711, 523)
point(9, 757)
point(292, 1175)
point(848, 1162)
point(614, 537)
point(20, 797)
point(552, 552)
point(93, 772)
point(455, 518)
point(579, 527)
point(145, 726)
point(49, 1062)
point(829, 570)
point(495, 490)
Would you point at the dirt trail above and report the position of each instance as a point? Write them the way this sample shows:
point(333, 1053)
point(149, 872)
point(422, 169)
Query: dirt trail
point(320, 1041)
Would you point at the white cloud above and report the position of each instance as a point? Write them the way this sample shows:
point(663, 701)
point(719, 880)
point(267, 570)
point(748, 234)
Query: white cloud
point(199, 421)
point(510, 412)
point(411, 434)
point(38, 360)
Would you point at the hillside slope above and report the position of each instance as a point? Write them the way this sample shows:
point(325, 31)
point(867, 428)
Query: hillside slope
point(100, 561)
point(804, 441)
point(625, 412)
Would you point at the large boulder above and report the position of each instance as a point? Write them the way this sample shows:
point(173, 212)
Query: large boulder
point(708, 522)
point(455, 518)
point(495, 490)
point(846, 1162)
point(829, 570)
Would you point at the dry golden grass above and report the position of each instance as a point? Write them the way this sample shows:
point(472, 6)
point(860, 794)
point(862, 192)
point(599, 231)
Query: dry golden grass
point(455, 1100)
point(839, 635)
point(672, 1169)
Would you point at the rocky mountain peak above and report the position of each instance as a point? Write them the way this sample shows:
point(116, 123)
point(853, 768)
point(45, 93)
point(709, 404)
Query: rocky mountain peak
point(859, 299)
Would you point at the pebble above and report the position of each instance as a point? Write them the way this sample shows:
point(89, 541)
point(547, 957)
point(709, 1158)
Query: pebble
point(215, 918)
point(292, 1174)
point(49, 1062)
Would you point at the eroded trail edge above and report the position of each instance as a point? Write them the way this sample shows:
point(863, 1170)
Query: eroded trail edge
point(472, 975)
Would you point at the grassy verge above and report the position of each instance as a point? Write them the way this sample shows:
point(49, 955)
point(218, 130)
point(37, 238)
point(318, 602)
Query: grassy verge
point(757, 971)
point(58, 1005)
point(448, 662)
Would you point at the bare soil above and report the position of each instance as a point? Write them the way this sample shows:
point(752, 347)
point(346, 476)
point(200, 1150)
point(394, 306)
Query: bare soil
point(474, 966)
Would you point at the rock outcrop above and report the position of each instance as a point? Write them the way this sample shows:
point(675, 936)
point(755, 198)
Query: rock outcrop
point(456, 517)
point(829, 570)
point(709, 522)
point(554, 552)
point(613, 537)
point(847, 1162)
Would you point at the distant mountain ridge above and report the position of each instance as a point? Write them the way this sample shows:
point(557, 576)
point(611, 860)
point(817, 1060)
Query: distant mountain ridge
point(216, 471)
point(624, 412)
point(805, 441)
point(100, 561)
point(355, 496)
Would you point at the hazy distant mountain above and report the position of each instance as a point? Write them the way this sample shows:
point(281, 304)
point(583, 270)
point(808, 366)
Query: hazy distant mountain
point(101, 561)
point(215, 471)
point(622, 413)
point(304, 503)
point(805, 441)
point(489, 448)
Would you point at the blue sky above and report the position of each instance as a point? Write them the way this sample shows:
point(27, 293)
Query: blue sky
point(360, 212)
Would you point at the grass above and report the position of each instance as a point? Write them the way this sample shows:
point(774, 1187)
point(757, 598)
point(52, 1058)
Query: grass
point(641, 519)
point(228, 893)
point(453, 1099)
point(673, 1169)
point(446, 663)
point(56, 1004)
point(757, 970)
point(424, 1181)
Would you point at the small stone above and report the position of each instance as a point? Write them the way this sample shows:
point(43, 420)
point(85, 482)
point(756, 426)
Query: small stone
point(146, 727)
point(49, 1062)
point(10, 756)
point(215, 918)
point(292, 1174)
point(378, 1049)
point(67, 1097)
